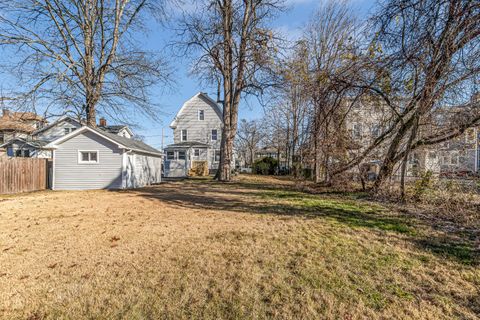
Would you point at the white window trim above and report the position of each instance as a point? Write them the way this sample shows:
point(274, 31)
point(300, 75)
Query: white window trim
point(178, 154)
point(211, 135)
point(181, 135)
point(198, 115)
point(80, 161)
point(454, 154)
point(166, 156)
point(214, 160)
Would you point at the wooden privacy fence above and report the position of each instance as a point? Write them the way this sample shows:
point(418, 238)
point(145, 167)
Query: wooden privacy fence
point(23, 174)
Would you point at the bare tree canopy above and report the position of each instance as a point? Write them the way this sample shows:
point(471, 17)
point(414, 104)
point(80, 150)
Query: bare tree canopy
point(81, 56)
point(429, 62)
point(232, 45)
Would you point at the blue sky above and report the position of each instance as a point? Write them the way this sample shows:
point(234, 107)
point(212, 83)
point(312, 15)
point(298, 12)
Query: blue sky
point(290, 23)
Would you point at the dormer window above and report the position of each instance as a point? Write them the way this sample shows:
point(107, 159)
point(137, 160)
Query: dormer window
point(201, 115)
point(68, 130)
point(184, 135)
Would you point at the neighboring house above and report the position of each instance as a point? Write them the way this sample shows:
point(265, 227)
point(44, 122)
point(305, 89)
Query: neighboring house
point(459, 156)
point(19, 147)
point(120, 130)
point(197, 131)
point(91, 158)
point(272, 153)
point(32, 144)
point(18, 125)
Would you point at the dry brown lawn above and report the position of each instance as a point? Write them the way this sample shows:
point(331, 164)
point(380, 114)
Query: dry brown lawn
point(254, 249)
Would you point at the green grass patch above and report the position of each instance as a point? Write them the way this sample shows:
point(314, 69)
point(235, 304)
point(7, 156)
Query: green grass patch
point(348, 212)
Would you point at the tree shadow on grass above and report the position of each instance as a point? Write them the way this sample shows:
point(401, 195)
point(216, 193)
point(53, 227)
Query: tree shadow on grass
point(285, 200)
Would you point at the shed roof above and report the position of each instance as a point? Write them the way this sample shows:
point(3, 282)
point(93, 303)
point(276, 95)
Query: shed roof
point(122, 142)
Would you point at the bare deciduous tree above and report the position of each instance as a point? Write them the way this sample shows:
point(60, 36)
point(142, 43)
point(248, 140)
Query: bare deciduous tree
point(249, 138)
point(81, 55)
point(232, 45)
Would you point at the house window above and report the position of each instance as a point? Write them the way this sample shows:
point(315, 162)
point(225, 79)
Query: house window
point(181, 155)
point(18, 153)
point(214, 134)
point(454, 158)
point(216, 156)
point(26, 153)
point(184, 135)
point(170, 155)
point(68, 130)
point(88, 156)
point(196, 152)
point(432, 155)
point(375, 131)
point(201, 115)
point(357, 131)
point(413, 158)
point(470, 135)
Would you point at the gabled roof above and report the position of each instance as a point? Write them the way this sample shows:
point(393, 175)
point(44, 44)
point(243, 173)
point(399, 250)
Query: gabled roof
point(59, 120)
point(121, 142)
point(116, 129)
point(33, 143)
point(207, 99)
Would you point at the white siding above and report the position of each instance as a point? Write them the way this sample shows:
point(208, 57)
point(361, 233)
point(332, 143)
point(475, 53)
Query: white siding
point(142, 170)
point(57, 130)
point(71, 175)
point(198, 130)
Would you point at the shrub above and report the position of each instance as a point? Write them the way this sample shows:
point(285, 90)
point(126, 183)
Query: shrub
point(265, 166)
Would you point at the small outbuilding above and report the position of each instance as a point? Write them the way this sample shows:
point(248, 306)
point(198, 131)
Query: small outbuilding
point(92, 158)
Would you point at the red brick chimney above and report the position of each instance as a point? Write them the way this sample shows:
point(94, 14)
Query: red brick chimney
point(103, 122)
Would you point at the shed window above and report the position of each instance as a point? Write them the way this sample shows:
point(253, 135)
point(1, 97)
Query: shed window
point(170, 155)
point(88, 156)
point(184, 135)
point(181, 155)
point(201, 115)
point(214, 134)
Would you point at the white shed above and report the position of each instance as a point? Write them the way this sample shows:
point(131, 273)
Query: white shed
point(91, 158)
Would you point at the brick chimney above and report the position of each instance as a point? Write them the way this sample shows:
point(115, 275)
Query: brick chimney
point(6, 112)
point(103, 122)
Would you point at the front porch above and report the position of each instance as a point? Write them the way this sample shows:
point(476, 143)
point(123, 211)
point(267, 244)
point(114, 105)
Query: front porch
point(189, 159)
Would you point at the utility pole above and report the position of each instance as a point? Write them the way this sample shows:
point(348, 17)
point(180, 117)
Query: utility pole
point(162, 138)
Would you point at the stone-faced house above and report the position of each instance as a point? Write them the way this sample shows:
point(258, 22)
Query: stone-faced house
point(197, 129)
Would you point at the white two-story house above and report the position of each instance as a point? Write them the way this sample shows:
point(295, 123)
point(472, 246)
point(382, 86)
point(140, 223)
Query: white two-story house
point(197, 129)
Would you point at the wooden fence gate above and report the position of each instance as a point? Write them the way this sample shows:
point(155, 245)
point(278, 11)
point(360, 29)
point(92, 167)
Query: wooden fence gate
point(23, 174)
